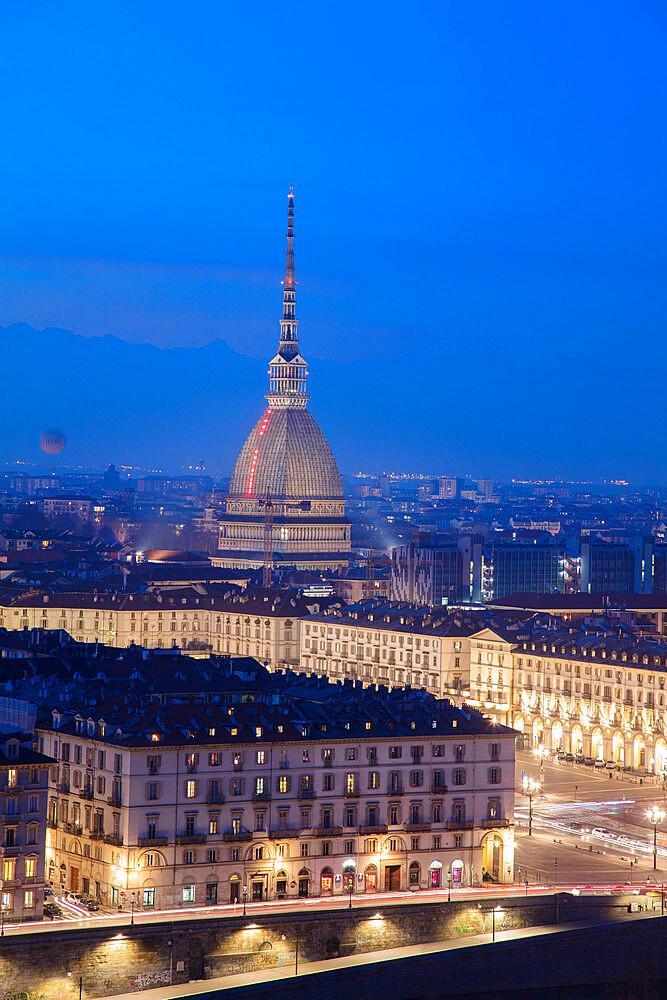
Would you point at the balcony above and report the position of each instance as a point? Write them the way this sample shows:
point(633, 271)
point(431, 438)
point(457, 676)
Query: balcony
point(395, 790)
point(351, 793)
point(73, 828)
point(437, 789)
point(306, 793)
point(459, 824)
point(191, 838)
point(215, 799)
point(261, 796)
point(233, 838)
point(373, 828)
point(11, 852)
point(63, 787)
point(495, 823)
point(152, 841)
point(114, 800)
point(52, 824)
point(96, 834)
point(112, 838)
point(86, 793)
point(328, 831)
point(417, 827)
point(284, 834)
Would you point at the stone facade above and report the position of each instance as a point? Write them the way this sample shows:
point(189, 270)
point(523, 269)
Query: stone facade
point(168, 826)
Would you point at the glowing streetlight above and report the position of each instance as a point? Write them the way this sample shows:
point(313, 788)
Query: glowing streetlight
point(530, 787)
point(655, 816)
point(541, 752)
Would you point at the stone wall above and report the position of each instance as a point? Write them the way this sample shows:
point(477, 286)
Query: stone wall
point(114, 960)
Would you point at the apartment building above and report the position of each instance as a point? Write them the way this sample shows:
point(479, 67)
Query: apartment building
point(311, 789)
point(24, 777)
point(263, 623)
point(392, 643)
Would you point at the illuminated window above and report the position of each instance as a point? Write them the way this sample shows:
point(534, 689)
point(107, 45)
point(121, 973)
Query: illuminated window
point(29, 898)
point(11, 778)
point(188, 893)
point(190, 789)
point(8, 869)
point(30, 867)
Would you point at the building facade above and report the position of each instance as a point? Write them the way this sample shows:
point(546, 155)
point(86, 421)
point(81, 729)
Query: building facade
point(180, 809)
point(264, 623)
point(24, 779)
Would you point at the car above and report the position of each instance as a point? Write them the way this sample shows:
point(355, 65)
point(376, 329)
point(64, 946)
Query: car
point(91, 904)
point(600, 763)
point(52, 910)
point(610, 765)
point(561, 755)
point(48, 890)
point(589, 761)
point(602, 833)
point(576, 827)
point(569, 757)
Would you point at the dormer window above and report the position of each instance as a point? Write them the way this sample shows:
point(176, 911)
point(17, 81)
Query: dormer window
point(57, 719)
point(13, 749)
point(91, 727)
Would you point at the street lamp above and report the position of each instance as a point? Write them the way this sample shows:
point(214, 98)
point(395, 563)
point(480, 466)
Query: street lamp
point(655, 816)
point(495, 911)
point(245, 897)
point(134, 899)
point(530, 788)
point(70, 974)
point(541, 752)
point(449, 886)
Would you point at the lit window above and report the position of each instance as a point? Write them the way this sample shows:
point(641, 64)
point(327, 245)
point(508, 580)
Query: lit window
point(188, 893)
point(190, 789)
point(30, 867)
point(29, 898)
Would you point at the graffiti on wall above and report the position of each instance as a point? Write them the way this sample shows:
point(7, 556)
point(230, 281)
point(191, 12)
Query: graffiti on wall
point(161, 977)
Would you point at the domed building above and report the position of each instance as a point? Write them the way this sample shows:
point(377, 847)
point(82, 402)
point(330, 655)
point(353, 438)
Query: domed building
point(285, 505)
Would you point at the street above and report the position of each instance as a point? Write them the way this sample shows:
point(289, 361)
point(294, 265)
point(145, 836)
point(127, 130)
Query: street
point(592, 822)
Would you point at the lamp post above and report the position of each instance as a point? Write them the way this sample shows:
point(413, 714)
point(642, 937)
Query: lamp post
point(530, 787)
point(134, 899)
point(655, 816)
point(449, 885)
point(245, 897)
point(541, 752)
point(70, 974)
point(495, 911)
point(350, 889)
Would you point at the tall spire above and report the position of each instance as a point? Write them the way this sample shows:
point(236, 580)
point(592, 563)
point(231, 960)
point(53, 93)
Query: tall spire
point(287, 386)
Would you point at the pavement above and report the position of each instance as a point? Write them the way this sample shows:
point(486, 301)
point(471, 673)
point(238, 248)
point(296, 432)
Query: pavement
point(203, 987)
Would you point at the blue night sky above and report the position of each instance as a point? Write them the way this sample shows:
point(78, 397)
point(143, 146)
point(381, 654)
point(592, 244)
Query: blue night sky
point(484, 180)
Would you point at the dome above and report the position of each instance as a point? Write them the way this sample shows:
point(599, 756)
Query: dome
point(286, 455)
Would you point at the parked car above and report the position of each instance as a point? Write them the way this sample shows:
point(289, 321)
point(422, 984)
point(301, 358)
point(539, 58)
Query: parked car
point(610, 765)
point(600, 763)
point(589, 761)
point(52, 910)
point(48, 890)
point(91, 904)
point(569, 757)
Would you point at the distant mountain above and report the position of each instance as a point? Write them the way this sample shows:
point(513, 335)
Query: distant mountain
point(465, 410)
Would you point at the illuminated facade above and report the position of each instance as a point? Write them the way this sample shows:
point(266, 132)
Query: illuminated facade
point(186, 806)
point(285, 502)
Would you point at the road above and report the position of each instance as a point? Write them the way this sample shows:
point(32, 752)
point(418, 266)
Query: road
point(593, 824)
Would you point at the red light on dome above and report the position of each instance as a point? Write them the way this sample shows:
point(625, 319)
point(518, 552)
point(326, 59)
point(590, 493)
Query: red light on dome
point(251, 477)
